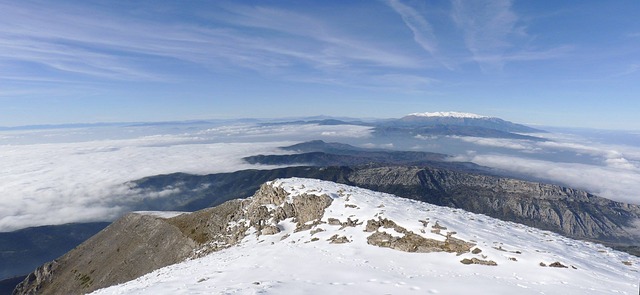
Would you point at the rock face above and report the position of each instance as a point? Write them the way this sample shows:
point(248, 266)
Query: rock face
point(571, 212)
point(410, 241)
point(137, 244)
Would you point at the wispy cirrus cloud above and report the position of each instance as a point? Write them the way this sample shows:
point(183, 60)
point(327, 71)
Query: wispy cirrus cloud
point(494, 35)
point(80, 40)
point(488, 27)
point(325, 45)
point(422, 31)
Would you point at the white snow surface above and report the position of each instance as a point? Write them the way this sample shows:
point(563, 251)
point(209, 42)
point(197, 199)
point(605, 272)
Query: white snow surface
point(276, 264)
point(449, 114)
point(161, 214)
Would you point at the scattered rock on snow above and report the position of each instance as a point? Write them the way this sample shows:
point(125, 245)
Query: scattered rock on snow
point(478, 261)
point(558, 264)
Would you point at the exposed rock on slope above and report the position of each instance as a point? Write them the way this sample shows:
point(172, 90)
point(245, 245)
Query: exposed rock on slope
point(130, 247)
point(358, 241)
point(139, 243)
point(299, 212)
point(573, 213)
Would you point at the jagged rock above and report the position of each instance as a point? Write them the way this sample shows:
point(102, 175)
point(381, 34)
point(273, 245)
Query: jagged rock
point(558, 264)
point(270, 230)
point(335, 239)
point(334, 221)
point(478, 261)
point(476, 251)
point(317, 230)
point(437, 226)
point(33, 283)
point(374, 225)
point(411, 242)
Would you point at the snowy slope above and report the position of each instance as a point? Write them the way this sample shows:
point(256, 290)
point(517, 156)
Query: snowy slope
point(305, 262)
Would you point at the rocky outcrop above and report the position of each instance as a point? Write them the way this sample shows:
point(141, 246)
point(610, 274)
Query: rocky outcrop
point(137, 244)
point(410, 241)
point(570, 212)
point(302, 209)
point(478, 261)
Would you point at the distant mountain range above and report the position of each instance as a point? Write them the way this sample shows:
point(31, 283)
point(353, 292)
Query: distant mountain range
point(463, 120)
point(437, 124)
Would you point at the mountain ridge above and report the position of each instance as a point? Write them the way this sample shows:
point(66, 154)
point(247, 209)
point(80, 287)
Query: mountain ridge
point(377, 235)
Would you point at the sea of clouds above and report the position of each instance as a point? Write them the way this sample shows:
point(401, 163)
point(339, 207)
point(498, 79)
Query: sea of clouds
point(56, 176)
point(608, 170)
point(69, 175)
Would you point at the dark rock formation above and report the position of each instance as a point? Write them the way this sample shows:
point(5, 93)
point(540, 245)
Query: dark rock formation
point(478, 261)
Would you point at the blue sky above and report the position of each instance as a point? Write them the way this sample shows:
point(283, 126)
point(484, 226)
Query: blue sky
point(563, 63)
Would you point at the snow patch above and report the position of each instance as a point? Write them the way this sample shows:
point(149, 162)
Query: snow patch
point(449, 114)
point(161, 214)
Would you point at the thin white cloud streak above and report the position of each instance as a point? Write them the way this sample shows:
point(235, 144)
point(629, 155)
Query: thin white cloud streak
point(98, 44)
point(336, 49)
point(523, 145)
point(614, 156)
point(491, 33)
point(55, 183)
point(419, 26)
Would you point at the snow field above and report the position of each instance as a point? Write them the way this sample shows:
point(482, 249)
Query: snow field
point(301, 263)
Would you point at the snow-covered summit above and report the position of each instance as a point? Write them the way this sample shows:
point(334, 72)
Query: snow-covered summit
point(366, 242)
point(449, 114)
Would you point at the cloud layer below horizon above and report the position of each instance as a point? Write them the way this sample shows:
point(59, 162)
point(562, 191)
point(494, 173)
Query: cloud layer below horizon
point(83, 181)
point(610, 171)
point(76, 175)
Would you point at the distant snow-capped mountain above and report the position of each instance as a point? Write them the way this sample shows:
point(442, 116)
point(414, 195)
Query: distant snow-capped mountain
point(305, 236)
point(464, 122)
point(449, 114)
